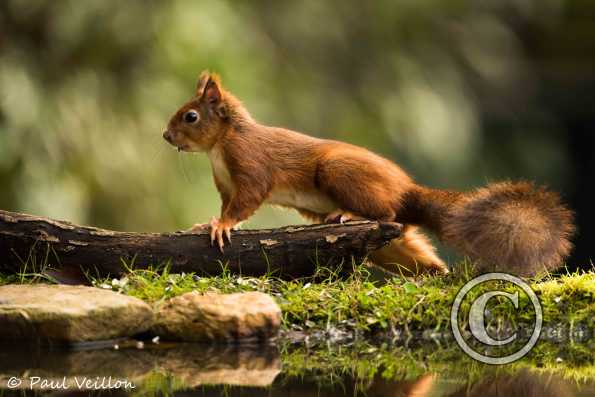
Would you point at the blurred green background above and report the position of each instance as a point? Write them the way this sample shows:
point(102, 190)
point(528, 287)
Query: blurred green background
point(459, 93)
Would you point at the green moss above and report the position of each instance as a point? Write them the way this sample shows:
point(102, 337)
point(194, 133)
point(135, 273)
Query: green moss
point(360, 304)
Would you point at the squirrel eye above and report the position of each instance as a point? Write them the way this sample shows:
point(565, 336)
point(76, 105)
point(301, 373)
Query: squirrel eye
point(191, 116)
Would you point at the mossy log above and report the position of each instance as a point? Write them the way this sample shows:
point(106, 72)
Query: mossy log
point(287, 252)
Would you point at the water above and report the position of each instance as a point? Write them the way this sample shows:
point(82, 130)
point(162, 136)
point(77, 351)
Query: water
point(365, 369)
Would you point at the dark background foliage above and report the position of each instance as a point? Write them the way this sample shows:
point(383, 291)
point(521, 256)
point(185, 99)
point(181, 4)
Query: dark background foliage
point(459, 93)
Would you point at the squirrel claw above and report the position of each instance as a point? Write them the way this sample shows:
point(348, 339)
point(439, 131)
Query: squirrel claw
point(220, 240)
point(218, 230)
point(214, 223)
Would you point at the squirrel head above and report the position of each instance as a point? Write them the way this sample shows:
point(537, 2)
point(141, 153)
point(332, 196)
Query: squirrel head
point(199, 123)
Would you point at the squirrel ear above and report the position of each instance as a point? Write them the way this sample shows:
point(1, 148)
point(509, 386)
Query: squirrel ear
point(211, 93)
point(213, 98)
point(202, 82)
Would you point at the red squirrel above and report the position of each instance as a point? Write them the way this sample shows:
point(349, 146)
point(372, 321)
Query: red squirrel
point(505, 226)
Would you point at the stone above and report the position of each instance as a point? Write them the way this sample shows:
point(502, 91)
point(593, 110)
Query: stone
point(218, 317)
point(66, 314)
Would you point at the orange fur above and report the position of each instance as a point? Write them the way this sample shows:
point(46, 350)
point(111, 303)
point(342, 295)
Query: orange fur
point(524, 383)
point(255, 164)
point(409, 255)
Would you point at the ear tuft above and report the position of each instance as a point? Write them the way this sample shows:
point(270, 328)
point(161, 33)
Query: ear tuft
point(202, 82)
point(212, 91)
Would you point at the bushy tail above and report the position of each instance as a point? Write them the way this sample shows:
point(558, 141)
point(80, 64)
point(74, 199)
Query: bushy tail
point(512, 227)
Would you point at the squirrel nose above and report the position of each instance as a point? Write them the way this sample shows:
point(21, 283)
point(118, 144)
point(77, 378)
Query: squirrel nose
point(167, 135)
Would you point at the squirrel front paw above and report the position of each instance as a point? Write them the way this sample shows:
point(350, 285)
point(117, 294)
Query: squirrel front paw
point(218, 229)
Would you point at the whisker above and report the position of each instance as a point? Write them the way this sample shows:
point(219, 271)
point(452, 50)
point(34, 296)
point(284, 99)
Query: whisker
point(157, 152)
point(181, 163)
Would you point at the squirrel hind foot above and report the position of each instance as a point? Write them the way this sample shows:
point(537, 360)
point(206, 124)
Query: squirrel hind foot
point(411, 254)
point(341, 216)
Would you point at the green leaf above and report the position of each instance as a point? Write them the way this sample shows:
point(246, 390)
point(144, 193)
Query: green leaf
point(410, 287)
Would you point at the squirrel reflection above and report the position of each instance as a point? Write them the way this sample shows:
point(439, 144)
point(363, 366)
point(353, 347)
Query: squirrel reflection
point(419, 387)
point(522, 384)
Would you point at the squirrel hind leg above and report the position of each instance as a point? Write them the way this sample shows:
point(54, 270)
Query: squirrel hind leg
point(411, 254)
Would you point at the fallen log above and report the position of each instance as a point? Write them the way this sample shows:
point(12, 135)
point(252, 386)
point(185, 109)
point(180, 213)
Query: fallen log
point(289, 252)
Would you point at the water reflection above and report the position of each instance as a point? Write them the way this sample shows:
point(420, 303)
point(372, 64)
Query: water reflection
point(180, 365)
point(192, 369)
point(523, 383)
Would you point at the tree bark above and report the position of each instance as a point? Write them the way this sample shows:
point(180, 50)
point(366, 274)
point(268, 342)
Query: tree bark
point(288, 252)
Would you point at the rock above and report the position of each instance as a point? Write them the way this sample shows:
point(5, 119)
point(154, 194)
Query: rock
point(66, 314)
point(218, 317)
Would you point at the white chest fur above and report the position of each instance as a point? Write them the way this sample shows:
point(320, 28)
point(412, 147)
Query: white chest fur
point(220, 169)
